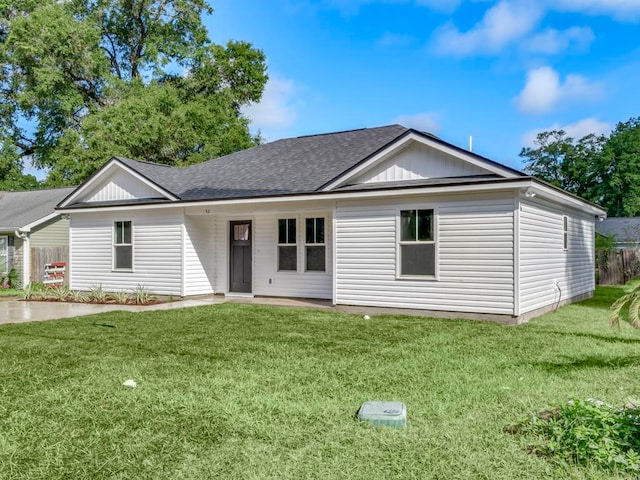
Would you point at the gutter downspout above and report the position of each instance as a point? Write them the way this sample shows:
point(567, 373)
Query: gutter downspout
point(26, 255)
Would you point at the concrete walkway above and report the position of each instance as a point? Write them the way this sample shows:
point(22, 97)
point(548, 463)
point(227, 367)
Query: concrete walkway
point(19, 311)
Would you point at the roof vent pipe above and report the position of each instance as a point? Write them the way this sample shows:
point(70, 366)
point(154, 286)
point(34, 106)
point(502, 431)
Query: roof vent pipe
point(470, 143)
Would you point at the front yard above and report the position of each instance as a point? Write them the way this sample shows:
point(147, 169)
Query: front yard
point(244, 391)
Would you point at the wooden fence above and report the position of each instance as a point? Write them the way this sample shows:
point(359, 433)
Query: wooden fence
point(40, 256)
point(617, 267)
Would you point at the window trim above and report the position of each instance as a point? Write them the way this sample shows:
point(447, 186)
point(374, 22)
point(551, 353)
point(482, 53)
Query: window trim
point(6, 254)
point(287, 244)
point(565, 232)
point(314, 244)
point(400, 243)
point(114, 245)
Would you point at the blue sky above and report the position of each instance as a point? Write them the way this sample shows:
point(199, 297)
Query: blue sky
point(500, 71)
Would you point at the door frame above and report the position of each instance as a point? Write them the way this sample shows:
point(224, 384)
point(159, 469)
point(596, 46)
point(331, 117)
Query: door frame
point(230, 223)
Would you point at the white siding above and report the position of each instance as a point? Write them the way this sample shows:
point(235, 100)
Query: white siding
point(548, 273)
point(54, 233)
point(198, 255)
point(419, 161)
point(157, 251)
point(120, 185)
point(474, 250)
point(266, 278)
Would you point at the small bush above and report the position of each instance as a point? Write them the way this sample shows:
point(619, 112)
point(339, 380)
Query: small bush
point(97, 295)
point(587, 432)
point(121, 298)
point(142, 296)
point(59, 294)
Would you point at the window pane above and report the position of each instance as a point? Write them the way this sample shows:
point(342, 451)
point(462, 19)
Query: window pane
point(315, 259)
point(408, 225)
point(123, 257)
point(291, 230)
point(126, 235)
point(309, 229)
point(282, 231)
point(288, 258)
point(241, 232)
point(319, 230)
point(425, 225)
point(418, 259)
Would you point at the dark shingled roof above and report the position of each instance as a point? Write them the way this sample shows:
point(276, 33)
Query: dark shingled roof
point(18, 209)
point(292, 165)
point(625, 229)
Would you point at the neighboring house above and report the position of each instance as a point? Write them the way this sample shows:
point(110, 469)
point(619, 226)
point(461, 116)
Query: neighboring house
point(384, 217)
point(29, 225)
point(625, 231)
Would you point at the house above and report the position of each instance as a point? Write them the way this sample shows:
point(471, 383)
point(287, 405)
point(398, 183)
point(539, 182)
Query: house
point(625, 231)
point(379, 217)
point(30, 230)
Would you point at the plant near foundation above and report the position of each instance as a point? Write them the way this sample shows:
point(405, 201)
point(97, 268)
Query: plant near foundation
point(97, 295)
point(121, 298)
point(588, 432)
point(59, 294)
point(77, 296)
point(142, 296)
point(34, 291)
point(627, 307)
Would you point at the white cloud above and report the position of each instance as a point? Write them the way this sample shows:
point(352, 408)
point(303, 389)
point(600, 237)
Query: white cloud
point(625, 10)
point(425, 122)
point(544, 91)
point(576, 130)
point(551, 41)
point(276, 108)
point(503, 24)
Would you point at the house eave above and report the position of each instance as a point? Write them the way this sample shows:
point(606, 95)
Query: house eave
point(505, 184)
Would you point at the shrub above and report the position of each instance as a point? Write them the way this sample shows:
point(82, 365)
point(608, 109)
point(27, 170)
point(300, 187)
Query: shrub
point(121, 298)
point(142, 296)
point(59, 294)
point(587, 432)
point(97, 295)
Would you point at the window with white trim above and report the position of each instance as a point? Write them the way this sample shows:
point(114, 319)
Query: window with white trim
point(565, 232)
point(417, 244)
point(315, 247)
point(122, 245)
point(4, 254)
point(287, 245)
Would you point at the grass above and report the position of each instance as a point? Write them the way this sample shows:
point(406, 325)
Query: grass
point(11, 292)
point(252, 392)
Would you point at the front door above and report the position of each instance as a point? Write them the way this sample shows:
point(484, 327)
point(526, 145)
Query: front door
point(240, 254)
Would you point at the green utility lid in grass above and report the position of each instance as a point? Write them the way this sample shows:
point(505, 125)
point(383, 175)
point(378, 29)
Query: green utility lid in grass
point(392, 414)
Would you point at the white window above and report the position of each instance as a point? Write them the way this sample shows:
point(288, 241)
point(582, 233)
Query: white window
point(122, 246)
point(565, 232)
point(315, 247)
point(417, 246)
point(287, 245)
point(4, 254)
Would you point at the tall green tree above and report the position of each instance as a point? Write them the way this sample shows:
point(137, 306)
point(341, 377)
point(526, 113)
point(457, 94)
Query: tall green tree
point(601, 169)
point(82, 80)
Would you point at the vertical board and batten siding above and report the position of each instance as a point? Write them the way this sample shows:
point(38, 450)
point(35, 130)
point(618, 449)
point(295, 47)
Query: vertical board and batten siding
point(120, 185)
point(419, 161)
point(543, 260)
point(198, 255)
point(265, 249)
point(474, 254)
point(54, 233)
point(157, 238)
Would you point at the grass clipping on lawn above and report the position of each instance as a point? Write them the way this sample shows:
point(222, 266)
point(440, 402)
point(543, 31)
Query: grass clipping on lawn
point(246, 391)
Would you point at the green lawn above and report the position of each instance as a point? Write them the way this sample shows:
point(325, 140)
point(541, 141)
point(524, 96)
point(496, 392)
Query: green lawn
point(244, 391)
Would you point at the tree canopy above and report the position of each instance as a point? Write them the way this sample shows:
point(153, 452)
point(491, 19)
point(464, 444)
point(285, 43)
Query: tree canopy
point(83, 80)
point(602, 169)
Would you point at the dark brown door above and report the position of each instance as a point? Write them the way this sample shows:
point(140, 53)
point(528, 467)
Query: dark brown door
point(240, 254)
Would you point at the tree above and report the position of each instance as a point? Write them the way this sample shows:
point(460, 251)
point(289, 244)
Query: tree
point(82, 80)
point(619, 165)
point(603, 170)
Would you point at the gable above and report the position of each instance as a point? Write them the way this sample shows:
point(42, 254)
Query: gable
point(419, 161)
point(116, 182)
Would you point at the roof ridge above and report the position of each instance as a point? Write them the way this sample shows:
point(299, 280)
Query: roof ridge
point(349, 131)
point(146, 162)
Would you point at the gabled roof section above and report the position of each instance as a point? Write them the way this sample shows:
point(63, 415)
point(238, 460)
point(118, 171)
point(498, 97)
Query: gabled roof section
point(120, 180)
point(29, 208)
point(425, 154)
